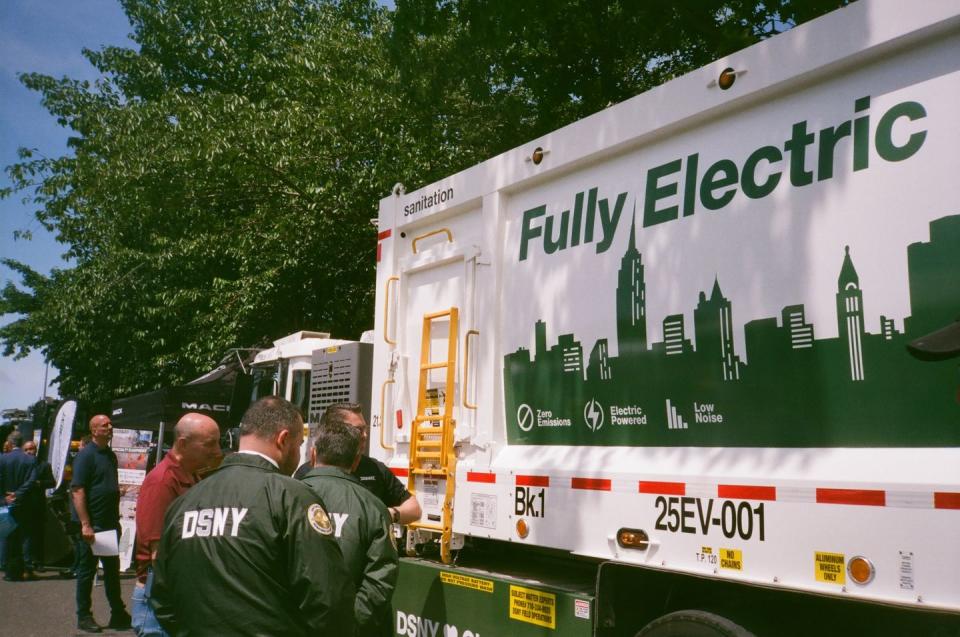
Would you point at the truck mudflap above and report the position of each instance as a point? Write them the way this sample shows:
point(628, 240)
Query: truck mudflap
point(434, 600)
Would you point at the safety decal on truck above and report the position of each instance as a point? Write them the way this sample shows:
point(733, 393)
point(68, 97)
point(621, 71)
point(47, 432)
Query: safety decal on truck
point(467, 581)
point(581, 608)
point(906, 570)
point(706, 555)
point(430, 492)
point(483, 510)
point(731, 559)
point(533, 606)
point(829, 567)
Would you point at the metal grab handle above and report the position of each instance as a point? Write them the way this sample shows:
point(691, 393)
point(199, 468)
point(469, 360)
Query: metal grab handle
point(432, 233)
point(466, 366)
point(383, 423)
point(386, 310)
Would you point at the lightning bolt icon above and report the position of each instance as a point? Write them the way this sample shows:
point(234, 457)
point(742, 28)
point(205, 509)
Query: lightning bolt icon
point(593, 414)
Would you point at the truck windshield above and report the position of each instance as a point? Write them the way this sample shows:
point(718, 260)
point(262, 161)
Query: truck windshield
point(265, 381)
point(300, 396)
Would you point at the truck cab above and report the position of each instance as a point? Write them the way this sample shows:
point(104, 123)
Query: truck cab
point(285, 370)
point(313, 371)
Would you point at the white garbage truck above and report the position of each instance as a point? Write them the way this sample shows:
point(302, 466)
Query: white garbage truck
point(649, 374)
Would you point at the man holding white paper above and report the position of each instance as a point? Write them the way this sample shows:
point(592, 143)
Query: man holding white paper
point(96, 501)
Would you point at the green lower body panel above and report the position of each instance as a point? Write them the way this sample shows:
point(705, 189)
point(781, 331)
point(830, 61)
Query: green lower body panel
point(433, 600)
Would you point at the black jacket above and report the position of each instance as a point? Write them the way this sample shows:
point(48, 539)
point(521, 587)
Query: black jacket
point(249, 551)
point(362, 526)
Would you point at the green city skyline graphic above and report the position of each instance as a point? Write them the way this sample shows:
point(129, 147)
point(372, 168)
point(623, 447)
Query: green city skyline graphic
point(858, 389)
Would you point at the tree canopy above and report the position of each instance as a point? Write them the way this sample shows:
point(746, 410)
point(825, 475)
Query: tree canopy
point(222, 174)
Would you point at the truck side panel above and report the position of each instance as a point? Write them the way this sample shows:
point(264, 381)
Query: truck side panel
point(690, 319)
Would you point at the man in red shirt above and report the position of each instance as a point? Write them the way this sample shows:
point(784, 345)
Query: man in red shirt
point(196, 449)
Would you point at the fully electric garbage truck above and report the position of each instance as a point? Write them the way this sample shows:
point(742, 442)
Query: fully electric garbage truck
point(650, 374)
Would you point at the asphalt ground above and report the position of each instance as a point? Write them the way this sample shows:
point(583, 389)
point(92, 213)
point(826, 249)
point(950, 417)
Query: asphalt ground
point(45, 606)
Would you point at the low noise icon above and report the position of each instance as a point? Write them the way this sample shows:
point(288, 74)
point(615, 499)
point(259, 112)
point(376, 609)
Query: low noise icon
point(593, 415)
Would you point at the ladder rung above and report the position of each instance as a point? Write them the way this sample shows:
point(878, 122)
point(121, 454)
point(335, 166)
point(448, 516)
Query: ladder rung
point(427, 366)
point(428, 454)
point(418, 419)
point(427, 443)
point(434, 315)
point(426, 526)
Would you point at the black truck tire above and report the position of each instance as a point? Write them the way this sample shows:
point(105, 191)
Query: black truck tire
point(693, 623)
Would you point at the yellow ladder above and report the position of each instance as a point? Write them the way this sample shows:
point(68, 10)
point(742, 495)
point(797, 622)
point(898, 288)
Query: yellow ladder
point(431, 444)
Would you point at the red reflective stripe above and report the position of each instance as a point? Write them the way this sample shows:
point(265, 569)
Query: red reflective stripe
point(533, 481)
point(746, 492)
point(384, 235)
point(593, 484)
point(663, 488)
point(473, 476)
point(866, 497)
point(379, 252)
point(945, 500)
point(400, 473)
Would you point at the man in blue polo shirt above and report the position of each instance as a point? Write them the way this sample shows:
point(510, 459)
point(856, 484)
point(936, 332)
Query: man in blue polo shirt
point(96, 504)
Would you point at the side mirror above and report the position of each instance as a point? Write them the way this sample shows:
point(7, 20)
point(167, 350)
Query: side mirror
point(230, 440)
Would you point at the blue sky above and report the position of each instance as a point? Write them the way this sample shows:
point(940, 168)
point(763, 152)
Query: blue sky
point(46, 36)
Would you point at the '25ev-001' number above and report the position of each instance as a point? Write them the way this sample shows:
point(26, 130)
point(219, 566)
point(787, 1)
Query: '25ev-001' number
point(692, 515)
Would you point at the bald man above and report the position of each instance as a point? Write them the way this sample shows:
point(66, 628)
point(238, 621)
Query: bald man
point(95, 493)
point(196, 451)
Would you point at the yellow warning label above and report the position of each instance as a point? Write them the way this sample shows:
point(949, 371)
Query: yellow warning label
point(533, 606)
point(731, 559)
point(333, 349)
point(466, 581)
point(828, 567)
point(706, 550)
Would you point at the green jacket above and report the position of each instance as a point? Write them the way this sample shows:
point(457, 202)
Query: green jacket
point(249, 551)
point(362, 526)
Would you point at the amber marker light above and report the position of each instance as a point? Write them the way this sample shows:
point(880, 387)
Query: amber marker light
point(633, 539)
point(522, 529)
point(537, 155)
point(861, 570)
point(727, 77)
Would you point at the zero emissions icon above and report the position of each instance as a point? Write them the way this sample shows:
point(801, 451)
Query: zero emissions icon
point(593, 414)
point(525, 417)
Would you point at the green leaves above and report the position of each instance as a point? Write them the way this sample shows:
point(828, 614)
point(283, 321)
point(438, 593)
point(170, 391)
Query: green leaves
point(218, 194)
point(222, 174)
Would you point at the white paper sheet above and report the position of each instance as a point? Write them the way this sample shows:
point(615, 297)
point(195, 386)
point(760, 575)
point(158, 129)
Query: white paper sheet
point(105, 543)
